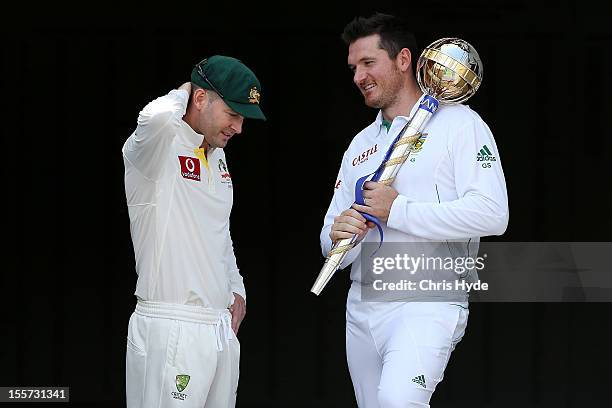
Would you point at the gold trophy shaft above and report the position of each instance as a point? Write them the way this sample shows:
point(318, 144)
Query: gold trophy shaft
point(399, 154)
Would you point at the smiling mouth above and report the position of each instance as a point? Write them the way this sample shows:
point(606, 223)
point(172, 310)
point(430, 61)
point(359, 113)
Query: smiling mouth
point(368, 88)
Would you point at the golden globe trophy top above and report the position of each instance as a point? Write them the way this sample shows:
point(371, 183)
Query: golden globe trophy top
point(449, 71)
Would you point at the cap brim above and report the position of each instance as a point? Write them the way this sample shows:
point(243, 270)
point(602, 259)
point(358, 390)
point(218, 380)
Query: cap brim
point(248, 110)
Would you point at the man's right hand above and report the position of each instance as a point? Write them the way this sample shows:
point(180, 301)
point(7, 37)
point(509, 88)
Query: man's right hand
point(349, 223)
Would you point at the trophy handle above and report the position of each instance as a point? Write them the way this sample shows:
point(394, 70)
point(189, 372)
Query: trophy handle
point(332, 263)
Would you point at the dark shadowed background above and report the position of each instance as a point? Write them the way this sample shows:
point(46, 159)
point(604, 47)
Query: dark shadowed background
point(73, 81)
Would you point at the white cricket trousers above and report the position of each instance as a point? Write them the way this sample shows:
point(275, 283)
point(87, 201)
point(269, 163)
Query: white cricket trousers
point(397, 351)
point(181, 356)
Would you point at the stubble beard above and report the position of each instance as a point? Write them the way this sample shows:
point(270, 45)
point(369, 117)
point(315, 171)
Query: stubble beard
point(389, 93)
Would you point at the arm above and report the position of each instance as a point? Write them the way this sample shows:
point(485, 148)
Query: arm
point(482, 206)
point(238, 307)
point(340, 220)
point(157, 123)
point(233, 273)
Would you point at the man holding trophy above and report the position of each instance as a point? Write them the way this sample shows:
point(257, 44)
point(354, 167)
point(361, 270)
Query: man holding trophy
point(397, 351)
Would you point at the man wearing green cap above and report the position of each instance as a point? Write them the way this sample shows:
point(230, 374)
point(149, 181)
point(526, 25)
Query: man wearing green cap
point(182, 349)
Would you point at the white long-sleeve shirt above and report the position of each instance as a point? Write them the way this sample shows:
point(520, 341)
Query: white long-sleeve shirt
point(179, 205)
point(452, 188)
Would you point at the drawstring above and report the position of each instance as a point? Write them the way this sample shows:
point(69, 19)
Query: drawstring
point(221, 320)
point(224, 326)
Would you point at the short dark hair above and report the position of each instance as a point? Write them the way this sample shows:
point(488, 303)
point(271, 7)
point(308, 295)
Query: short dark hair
point(212, 95)
point(394, 34)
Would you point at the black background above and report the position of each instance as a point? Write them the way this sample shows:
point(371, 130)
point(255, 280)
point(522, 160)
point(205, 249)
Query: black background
point(73, 81)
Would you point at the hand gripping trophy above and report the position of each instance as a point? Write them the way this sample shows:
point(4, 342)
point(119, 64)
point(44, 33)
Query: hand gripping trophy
point(449, 71)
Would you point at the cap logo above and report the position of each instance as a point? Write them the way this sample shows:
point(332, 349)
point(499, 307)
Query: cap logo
point(254, 96)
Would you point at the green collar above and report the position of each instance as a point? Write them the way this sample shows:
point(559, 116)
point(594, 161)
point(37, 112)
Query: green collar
point(386, 124)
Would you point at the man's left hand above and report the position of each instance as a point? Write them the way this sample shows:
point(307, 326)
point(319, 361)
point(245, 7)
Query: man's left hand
point(378, 200)
point(238, 310)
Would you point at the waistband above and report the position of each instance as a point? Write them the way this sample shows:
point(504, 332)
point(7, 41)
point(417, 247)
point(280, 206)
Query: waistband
point(451, 297)
point(221, 319)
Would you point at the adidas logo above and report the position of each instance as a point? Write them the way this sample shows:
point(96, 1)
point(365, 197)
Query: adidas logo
point(420, 379)
point(485, 154)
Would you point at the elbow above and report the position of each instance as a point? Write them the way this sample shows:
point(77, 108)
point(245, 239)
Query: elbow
point(501, 226)
point(157, 119)
point(496, 216)
point(161, 111)
point(499, 222)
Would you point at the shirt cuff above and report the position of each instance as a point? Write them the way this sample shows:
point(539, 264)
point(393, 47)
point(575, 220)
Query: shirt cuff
point(240, 291)
point(180, 93)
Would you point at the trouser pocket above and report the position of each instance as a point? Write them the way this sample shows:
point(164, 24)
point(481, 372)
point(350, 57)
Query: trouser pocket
point(135, 370)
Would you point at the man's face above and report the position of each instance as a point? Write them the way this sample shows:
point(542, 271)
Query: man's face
point(375, 74)
point(219, 122)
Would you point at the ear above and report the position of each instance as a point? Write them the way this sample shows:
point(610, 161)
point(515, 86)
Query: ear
point(199, 98)
point(404, 60)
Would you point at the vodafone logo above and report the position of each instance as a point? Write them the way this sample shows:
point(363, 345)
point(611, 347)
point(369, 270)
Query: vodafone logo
point(190, 167)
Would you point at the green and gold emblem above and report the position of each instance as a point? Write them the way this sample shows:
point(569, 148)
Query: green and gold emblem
point(181, 382)
point(222, 166)
point(419, 144)
point(254, 95)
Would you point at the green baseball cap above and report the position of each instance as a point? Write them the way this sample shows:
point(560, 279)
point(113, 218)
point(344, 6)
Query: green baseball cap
point(235, 83)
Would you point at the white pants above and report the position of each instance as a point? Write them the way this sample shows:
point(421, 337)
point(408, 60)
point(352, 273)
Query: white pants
point(181, 356)
point(397, 352)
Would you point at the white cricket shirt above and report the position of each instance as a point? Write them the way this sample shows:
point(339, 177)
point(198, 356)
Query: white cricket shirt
point(451, 188)
point(179, 207)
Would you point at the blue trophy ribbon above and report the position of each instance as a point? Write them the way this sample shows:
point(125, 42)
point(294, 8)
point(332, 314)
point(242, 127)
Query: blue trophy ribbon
point(375, 176)
point(427, 103)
